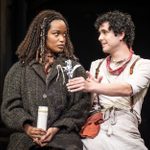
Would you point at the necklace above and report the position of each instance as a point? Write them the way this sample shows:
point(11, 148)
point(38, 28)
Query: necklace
point(118, 61)
point(119, 69)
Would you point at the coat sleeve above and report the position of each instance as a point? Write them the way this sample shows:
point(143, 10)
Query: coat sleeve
point(74, 117)
point(12, 111)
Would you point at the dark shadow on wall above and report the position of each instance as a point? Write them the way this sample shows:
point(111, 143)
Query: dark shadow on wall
point(145, 124)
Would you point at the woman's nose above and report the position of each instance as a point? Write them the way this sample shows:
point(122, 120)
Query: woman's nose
point(62, 38)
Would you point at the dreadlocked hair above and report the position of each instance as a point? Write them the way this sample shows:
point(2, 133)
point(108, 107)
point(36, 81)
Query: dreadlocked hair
point(31, 46)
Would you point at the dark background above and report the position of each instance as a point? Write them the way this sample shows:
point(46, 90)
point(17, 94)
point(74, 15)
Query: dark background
point(16, 16)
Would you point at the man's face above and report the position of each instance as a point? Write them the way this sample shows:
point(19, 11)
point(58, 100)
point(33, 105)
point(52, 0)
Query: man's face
point(107, 38)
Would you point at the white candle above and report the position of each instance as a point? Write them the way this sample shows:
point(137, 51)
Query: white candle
point(42, 117)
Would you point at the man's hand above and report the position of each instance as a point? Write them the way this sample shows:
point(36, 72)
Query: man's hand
point(80, 84)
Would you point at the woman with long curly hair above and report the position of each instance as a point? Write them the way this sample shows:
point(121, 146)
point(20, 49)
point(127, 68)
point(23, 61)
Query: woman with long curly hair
point(46, 62)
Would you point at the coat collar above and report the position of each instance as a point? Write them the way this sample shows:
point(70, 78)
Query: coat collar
point(38, 68)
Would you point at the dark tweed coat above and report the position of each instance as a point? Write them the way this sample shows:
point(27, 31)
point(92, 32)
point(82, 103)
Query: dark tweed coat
point(26, 88)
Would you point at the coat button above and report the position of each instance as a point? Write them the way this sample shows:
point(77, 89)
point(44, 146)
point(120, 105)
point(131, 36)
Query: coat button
point(44, 96)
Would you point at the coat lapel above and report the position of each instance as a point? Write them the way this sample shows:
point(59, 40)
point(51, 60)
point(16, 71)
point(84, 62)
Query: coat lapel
point(38, 69)
point(53, 72)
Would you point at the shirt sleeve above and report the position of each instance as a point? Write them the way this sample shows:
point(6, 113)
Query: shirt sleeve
point(140, 78)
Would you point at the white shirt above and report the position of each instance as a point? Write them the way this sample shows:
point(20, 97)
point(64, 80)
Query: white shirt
point(139, 81)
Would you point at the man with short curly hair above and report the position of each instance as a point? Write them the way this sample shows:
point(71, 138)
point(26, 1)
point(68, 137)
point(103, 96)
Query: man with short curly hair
point(122, 83)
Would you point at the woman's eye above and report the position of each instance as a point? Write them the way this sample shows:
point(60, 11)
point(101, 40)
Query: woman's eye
point(65, 34)
point(56, 34)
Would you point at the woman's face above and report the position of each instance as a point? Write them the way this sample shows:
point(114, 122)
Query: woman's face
point(56, 36)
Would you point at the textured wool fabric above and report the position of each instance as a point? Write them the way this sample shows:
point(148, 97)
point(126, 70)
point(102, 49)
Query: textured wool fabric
point(27, 87)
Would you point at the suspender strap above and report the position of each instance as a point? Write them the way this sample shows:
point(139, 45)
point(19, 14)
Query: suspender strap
point(132, 66)
point(131, 72)
point(96, 76)
point(98, 68)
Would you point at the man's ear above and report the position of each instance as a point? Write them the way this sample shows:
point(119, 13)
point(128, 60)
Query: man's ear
point(121, 36)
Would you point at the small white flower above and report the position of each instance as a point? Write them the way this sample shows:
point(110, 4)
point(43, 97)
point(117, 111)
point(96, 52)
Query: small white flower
point(69, 69)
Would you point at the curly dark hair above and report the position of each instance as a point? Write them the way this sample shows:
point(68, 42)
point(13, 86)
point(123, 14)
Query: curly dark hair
point(28, 48)
point(118, 22)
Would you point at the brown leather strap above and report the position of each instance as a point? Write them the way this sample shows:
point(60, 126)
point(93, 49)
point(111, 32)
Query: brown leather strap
point(96, 76)
point(131, 72)
point(98, 68)
point(132, 66)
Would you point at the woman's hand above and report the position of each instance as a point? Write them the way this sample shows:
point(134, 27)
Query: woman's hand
point(34, 133)
point(45, 139)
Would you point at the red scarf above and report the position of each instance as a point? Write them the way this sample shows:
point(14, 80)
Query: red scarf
point(119, 69)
